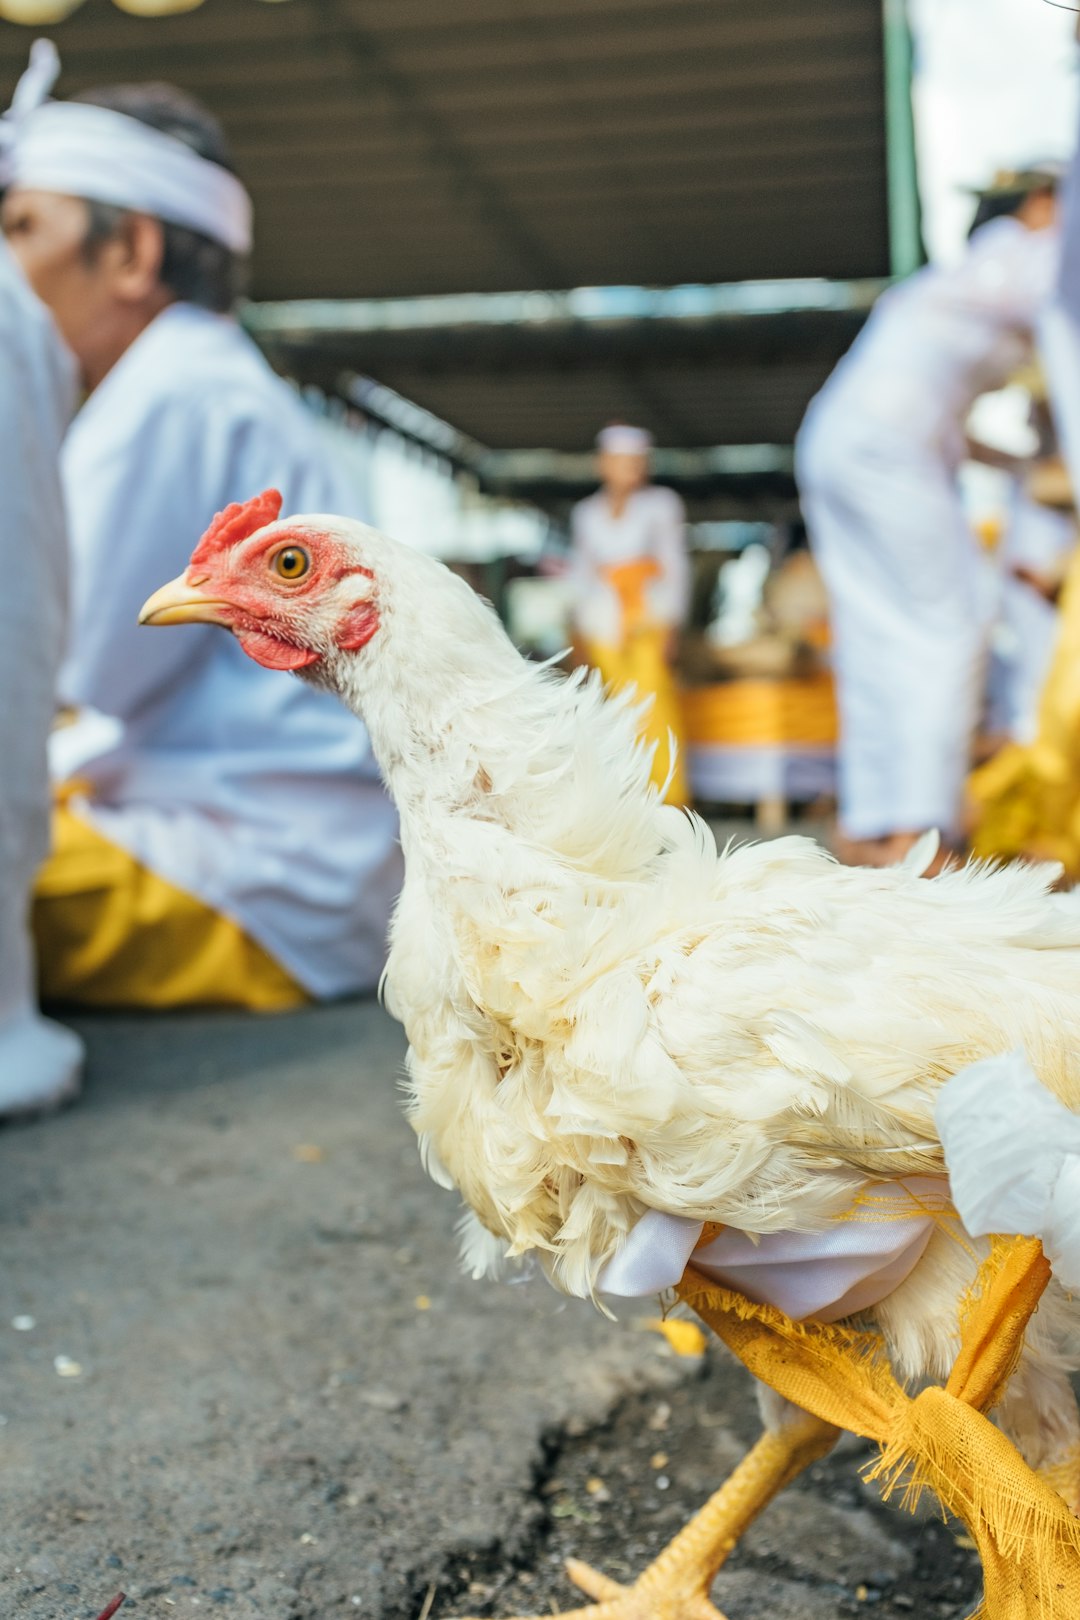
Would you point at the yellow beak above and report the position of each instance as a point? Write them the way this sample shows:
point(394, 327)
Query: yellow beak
point(182, 602)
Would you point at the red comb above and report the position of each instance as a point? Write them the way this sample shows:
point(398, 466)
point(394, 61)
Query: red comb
point(236, 523)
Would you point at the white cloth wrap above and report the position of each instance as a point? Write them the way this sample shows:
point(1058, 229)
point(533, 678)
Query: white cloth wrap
point(819, 1276)
point(1013, 1152)
point(621, 440)
point(105, 156)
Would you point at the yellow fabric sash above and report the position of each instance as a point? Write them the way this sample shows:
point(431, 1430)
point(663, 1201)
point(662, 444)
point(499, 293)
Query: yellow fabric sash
point(1028, 1539)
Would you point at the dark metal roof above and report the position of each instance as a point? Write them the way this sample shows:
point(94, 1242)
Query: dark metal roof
point(420, 146)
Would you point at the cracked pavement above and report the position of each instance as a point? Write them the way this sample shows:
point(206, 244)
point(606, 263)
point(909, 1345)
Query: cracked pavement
point(247, 1377)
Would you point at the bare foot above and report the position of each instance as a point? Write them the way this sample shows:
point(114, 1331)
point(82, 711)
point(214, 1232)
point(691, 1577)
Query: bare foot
point(890, 850)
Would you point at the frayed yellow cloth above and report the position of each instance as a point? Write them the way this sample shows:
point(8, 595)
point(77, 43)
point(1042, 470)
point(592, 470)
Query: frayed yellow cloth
point(111, 933)
point(1027, 1538)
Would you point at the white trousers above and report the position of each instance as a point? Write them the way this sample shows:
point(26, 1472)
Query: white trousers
point(900, 566)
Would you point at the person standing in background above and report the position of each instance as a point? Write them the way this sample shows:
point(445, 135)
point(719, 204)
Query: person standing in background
point(40, 1062)
point(877, 459)
point(631, 579)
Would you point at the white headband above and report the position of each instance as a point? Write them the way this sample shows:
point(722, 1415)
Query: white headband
point(621, 440)
point(105, 156)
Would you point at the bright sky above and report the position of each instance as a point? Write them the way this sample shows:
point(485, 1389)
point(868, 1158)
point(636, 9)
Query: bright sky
point(996, 86)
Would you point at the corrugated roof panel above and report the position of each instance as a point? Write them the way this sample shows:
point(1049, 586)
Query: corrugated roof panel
point(401, 146)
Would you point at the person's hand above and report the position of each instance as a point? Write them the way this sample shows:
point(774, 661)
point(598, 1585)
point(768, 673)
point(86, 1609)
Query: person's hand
point(578, 655)
point(1049, 589)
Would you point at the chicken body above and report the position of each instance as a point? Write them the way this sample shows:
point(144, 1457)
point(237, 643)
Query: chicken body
point(605, 1016)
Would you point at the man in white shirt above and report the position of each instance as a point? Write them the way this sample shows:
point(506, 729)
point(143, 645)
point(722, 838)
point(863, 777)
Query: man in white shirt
point(40, 1062)
point(631, 586)
point(225, 836)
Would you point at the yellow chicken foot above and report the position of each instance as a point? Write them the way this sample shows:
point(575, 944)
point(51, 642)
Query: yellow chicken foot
point(676, 1586)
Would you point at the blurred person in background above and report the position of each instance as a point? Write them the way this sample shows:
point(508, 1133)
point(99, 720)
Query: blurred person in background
point(223, 835)
point(1026, 800)
point(1040, 535)
point(40, 1062)
point(877, 459)
point(631, 580)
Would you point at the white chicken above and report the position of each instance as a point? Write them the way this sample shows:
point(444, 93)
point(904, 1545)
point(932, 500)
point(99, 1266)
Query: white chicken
point(608, 1022)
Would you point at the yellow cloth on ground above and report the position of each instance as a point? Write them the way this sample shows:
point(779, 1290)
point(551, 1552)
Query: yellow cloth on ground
point(1026, 800)
point(641, 662)
point(111, 933)
point(1028, 1540)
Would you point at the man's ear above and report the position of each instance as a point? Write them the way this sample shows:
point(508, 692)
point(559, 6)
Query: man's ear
point(135, 256)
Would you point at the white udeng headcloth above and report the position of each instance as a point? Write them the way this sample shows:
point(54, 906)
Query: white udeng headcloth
point(622, 440)
point(105, 156)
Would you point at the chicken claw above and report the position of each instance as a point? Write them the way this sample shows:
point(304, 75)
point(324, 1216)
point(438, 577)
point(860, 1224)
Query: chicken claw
point(676, 1586)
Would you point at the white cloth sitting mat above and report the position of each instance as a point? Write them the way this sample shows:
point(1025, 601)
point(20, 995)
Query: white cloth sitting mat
point(810, 1276)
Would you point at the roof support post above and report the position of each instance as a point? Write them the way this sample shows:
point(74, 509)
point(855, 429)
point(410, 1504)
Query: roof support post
point(906, 252)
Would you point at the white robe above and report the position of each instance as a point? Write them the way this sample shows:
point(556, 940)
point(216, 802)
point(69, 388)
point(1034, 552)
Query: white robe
point(240, 785)
point(37, 397)
point(876, 460)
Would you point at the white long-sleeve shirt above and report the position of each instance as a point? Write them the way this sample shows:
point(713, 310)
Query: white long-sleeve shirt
point(244, 787)
point(651, 527)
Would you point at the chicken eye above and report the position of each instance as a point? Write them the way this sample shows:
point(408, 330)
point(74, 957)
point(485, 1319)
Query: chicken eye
point(292, 563)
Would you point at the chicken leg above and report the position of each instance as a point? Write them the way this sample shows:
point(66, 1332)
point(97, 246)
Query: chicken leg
point(676, 1586)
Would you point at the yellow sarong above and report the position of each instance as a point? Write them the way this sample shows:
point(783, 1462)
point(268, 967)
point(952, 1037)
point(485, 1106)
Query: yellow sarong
point(111, 933)
point(1026, 800)
point(640, 661)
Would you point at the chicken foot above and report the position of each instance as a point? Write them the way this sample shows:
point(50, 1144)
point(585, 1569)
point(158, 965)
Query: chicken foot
point(676, 1586)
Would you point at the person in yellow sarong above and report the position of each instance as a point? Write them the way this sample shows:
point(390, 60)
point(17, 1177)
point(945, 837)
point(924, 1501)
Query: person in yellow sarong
point(631, 578)
point(1025, 802)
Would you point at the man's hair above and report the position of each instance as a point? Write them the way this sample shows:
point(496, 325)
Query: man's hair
point(193, 267)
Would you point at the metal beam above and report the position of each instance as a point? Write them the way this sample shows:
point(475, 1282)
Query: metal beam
point(589, 306)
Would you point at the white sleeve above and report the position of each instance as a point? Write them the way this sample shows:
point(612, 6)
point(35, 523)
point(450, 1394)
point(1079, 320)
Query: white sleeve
point(1013, 1152)
point(669, 596)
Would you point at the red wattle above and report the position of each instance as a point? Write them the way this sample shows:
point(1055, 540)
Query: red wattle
point(273, 653)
